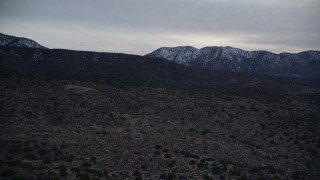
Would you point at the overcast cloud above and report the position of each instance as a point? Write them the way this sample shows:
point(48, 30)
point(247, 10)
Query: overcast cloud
point(141, 26)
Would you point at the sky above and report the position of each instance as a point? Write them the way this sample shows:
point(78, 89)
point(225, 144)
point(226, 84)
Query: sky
point(141, 26)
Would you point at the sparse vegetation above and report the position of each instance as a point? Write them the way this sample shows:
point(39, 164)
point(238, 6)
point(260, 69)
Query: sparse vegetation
point(169, 133)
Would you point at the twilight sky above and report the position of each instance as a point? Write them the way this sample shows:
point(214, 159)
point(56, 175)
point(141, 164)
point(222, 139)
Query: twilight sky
point(141, 26)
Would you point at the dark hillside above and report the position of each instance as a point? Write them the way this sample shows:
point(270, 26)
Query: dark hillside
point(131, 70)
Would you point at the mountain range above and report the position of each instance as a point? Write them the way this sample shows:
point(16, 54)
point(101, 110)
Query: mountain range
point(304, 64)
point(215, 66)
point(130, 70)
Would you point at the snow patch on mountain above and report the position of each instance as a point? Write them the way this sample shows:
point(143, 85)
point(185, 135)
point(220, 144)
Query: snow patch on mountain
point(238, 60)
point(7, 40)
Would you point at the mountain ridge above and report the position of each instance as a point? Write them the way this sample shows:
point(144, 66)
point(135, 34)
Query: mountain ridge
point(8, 40)
point(131, 70)
point(302, 64)
point(232, 47)
point(305, 64)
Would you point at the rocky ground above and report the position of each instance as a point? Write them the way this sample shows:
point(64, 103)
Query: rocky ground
point(84, 130)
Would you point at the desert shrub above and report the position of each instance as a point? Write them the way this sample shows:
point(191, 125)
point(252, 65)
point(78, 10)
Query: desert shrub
point(86, 164)
point(253, 107)
point(93, 159)
point(156, 153)
point(312, 151)
point(177, 152)
point(30, 156)
point(207, 177)
point(14, 149)
point(267, 112)
point(158, 147)
point(200, 165)
point(206, 165)
point(165, 150)
point(267, 157)
point(262, 126)
point(63, 170)
point(94, 172)
point(235, 172)
point(136, 173)
point(207, 159)
point(144, 167)
point(244, 178)
point(19, 177)
point(69, 158)
point(83, 176)
point(225, 163)
point(216, 170)
point(9, 157)
point(167, 155)
point(57, 152)
point(27, 148)
point(254, 170)
point(44, 144)
point(19, 163)
point(60, 118)
point(188, 154)
point(172, 163)
point(192, 162)
point(7, 172)
point(171, 176)
point(42, 152)
point(111, 115)
point(163, 176)
point(270, 168)
point(298, 175)
point(106, 173)
point(205, 132)
point(74, 169)
point(15, 163)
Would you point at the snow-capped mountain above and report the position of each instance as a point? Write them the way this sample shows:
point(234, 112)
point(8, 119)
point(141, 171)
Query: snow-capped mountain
point(303, 64)
point(7, 40)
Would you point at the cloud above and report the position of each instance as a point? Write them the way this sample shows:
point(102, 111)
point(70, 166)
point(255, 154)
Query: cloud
point(137, 26)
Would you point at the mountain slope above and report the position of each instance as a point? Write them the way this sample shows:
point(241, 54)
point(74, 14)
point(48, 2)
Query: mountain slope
point(304, 64)
point(123, 69)
point(7, 40)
